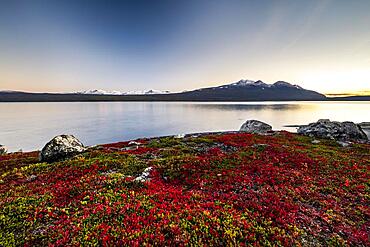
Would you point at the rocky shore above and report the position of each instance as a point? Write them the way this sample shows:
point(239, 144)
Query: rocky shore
point(254, 186)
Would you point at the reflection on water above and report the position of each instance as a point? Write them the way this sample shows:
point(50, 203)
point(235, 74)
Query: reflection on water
point(30, 125)
point(243, 107)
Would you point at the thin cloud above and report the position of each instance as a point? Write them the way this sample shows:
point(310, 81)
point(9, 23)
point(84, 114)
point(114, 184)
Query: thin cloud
point(309, 23)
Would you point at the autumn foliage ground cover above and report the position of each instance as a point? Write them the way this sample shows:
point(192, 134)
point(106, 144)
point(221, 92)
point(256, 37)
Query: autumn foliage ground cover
point(216, 189)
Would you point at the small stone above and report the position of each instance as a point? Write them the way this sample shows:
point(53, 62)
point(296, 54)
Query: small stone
point(131, 148)
point(344, 144)
point(145, 175)
point(31, 178)
point(257, 145)
point(96, 147)
point(134, 143)
point(315, 141)
point(3, 149)
point(255, 126)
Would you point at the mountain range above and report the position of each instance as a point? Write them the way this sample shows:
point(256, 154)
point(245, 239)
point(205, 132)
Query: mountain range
point(243, 90)
point(139, 92)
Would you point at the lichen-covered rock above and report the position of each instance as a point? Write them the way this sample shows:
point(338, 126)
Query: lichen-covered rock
point(255, 126)
point(3, 150)
point(343, 131)
point(315, 141)
point(145, 175)
point(61, 147)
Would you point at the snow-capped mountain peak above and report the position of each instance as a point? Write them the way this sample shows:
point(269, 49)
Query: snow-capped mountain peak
point(285, 84)
point(243, 83)
point(259, 83)
point(100, 92)
point(139, 92)
point(149, 91)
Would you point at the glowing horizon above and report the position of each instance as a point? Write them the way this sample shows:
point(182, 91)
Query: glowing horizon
point(68, 46)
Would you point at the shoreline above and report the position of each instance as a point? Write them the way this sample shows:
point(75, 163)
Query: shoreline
point(189, 135)
point(364, 125)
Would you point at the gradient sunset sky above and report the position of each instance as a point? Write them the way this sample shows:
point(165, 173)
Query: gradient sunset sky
point(65, 46)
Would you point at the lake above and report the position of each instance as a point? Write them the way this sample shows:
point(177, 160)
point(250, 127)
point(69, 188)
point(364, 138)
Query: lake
point(28, 126)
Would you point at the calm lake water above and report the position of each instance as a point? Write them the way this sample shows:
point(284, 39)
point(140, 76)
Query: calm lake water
point(29, 126)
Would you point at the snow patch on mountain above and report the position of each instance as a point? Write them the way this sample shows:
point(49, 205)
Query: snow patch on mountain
point(242, 83)
point(139, 92)
point(285, 84)
point(100, 92)
point(259, 83)
point(10, 91)
point(150, 91)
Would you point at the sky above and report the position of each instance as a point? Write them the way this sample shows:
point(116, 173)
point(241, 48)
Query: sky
point(67, 46)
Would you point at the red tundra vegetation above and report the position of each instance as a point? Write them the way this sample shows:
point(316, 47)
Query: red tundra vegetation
point(215, 189)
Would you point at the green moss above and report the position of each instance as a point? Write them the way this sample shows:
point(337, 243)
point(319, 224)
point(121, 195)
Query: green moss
point(165, 142)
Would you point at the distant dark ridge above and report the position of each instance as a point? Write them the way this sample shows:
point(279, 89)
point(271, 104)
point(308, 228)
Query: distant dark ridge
point(188, 96)
point(350, 98)
point(243, 90)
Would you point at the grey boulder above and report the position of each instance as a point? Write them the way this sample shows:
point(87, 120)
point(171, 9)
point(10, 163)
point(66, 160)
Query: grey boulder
point(255, 126)
point(342, 131)
point(3, 150)
point(145, 175)
point(61, 147)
